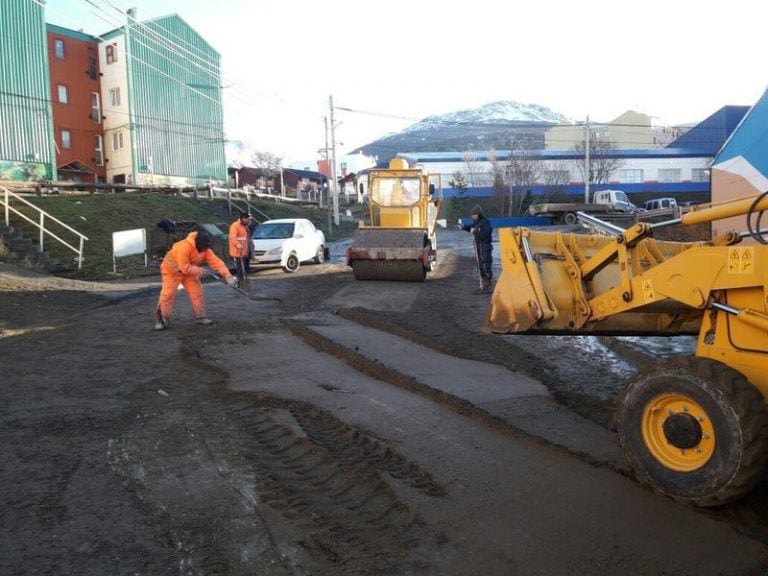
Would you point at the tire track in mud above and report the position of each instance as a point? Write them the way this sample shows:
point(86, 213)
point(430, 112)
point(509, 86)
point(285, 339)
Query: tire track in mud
point(747, 516)
point(456, 404)
point(276, 481)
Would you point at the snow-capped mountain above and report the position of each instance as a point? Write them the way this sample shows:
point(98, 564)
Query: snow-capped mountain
point(498, 125)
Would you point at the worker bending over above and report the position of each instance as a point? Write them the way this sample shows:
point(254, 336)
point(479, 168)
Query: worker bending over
point(182, 265)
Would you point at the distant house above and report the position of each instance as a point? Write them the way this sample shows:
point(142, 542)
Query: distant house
point(307, 184)
point(631, 130)
point(302, 184)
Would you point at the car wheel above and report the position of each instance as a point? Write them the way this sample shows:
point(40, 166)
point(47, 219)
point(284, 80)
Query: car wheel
point(292, 263)
point(570, 218)
point(320, 254)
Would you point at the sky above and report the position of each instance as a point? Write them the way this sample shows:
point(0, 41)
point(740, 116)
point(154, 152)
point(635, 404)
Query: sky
point(396, 62)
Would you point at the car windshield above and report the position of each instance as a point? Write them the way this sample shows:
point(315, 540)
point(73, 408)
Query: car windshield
point(272, 230)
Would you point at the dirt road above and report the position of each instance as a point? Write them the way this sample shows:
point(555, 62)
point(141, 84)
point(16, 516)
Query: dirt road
point(352, 428)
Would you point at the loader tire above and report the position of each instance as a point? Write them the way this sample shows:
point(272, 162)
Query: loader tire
point(695, 430)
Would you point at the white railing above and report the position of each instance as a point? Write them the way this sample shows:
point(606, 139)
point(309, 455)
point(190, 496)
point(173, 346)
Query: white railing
point(40, 224)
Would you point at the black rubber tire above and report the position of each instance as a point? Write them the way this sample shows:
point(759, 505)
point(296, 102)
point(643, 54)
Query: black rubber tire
point(292, 263)
point(570, 218)
point(320, 255)
point(738, 417)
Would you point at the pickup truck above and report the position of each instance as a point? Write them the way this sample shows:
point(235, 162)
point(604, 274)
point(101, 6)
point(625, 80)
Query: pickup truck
point(604, 201)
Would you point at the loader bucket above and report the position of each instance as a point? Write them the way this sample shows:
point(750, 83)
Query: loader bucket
point(518, 301)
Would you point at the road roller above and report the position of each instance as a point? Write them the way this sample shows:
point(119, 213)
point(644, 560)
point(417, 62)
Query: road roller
point(399, 242)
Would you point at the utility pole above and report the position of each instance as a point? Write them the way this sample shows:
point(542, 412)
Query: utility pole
point(587, 171)
point(327, 184)
point(334, 189)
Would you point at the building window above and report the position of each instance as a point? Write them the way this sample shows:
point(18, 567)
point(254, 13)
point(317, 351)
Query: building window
point(92, 64)
point(63, 94)
point(669, 175)
point(58, 48)
point(98, 150)
point(66, 139)
point(111, 53)
point(95, 107)
point(114, 96)
point(700, 175)
point(630, 176)
point(117, 140)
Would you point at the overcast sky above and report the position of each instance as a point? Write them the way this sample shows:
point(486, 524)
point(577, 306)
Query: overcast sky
point(400, 61)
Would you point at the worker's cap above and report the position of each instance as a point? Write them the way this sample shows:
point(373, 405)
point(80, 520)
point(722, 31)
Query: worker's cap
point(203, 241)
point(477, 210)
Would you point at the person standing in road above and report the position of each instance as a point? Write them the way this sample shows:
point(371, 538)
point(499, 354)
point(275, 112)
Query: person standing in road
point(239, 238)
point(482, 232)
point(182, 265)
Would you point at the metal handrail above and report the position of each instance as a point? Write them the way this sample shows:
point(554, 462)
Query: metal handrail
point(41, 224)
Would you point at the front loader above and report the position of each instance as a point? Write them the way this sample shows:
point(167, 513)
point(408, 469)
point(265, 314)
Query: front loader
point(695, 429)
point(400, 242)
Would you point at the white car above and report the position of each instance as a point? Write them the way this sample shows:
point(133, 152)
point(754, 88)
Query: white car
point(287, 243)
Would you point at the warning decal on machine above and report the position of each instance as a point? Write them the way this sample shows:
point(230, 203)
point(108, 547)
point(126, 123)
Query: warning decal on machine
point(741, 260)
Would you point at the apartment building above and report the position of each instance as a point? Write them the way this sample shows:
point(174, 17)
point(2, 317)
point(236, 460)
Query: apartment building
point(27, 150)
point(76, 103)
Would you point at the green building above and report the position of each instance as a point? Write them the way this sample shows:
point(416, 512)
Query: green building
point(27, 149)
point(162, 98)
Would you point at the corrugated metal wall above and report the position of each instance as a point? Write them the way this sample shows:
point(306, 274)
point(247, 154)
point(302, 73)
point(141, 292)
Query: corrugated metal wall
point(175, 91)
point(26, 129)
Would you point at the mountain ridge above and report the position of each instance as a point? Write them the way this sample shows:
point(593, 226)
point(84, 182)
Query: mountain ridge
point(502, 124)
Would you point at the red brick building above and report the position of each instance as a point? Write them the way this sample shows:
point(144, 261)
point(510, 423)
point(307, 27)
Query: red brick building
point(77, 107)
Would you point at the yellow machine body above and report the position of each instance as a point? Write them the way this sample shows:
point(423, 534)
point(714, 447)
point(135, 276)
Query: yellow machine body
point(400, 241)
point(691, 428)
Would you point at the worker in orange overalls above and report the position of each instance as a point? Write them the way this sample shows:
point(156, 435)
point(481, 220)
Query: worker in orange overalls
point(182, 265)
point(239, 237)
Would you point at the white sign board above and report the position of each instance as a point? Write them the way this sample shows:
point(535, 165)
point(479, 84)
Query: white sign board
point(128, 243)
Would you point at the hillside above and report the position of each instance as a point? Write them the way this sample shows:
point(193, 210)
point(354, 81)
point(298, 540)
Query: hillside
point(499, 125)
point(98, 216)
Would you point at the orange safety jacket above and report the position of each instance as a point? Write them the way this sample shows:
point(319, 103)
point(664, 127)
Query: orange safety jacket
point(238, 240)
point(183, 258)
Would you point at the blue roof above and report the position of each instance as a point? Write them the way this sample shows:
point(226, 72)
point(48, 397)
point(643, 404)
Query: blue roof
point(710, 134)
point(750, 141)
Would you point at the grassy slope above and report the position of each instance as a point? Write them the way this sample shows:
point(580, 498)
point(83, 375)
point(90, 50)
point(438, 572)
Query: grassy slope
point(98, 216)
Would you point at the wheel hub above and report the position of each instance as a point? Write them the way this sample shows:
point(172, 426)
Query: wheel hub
point(678, 432)
point(682, 431)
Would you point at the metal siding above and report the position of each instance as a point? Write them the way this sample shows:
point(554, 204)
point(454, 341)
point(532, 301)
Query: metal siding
point(25, 106)
point(175, 89)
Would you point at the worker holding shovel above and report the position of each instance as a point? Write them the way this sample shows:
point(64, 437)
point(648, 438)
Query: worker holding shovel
point(182, 265)
point(239, 237)
point(482, 232)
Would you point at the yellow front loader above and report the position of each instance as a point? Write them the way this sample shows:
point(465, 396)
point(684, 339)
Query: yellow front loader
point(695, 429)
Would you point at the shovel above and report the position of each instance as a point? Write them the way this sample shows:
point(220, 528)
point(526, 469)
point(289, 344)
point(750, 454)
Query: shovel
point(240, 290)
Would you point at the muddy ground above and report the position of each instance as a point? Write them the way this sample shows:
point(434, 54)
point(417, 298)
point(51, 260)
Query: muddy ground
point(260, 445)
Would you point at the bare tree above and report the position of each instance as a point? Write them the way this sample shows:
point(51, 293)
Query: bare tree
point(523, 171)
point(601, 165)
point(555, 179)
point(472, 169)
point(269, 165)
point(459, 183)
point(496, 174)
